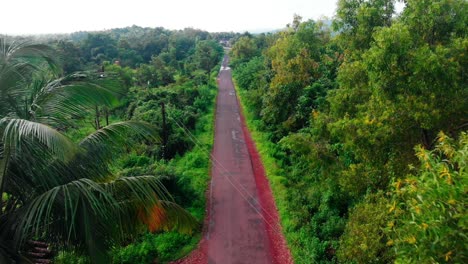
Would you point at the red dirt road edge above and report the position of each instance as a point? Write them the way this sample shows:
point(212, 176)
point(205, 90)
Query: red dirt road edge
point(278, 246)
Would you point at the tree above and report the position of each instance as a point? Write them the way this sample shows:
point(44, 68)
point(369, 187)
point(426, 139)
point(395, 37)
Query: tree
point(100, 47)
point(207, 55)
point(400, 93)
point(243, 50)
point(356, 20)
point(364, 240)
point(71, 56)
point(59, 191)
point(294, 65)
point(436, 22)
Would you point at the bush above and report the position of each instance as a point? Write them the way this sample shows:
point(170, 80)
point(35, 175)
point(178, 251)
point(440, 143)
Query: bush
point(364, 240)
point(430, 222)
point(161, 247)
point(70, 258)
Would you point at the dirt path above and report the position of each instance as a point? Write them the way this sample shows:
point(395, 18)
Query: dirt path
point(242, 221)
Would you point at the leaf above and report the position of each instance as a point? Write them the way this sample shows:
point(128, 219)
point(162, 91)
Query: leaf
point(16, 131)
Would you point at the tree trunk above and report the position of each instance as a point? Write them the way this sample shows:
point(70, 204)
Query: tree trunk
point(97, 120)
point(164, 131)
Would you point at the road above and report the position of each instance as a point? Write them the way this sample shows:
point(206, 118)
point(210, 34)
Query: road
point(236, 232)
point(242, 223)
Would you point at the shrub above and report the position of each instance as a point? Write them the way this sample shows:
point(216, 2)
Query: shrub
point(430, 209)
point(161, 247)
point(364, 240)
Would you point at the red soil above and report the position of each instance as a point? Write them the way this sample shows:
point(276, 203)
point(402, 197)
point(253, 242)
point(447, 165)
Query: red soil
point(279, 248)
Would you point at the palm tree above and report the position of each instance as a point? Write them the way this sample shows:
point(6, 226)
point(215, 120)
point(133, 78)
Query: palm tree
point(56, 190)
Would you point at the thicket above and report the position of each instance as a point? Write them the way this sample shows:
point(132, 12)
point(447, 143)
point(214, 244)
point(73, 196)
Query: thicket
point(341, 106)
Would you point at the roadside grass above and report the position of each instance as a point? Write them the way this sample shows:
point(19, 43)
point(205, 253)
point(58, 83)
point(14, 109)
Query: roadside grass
point(193, 168)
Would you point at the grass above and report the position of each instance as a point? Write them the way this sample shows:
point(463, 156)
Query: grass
point(193, 168)
point(84, 127)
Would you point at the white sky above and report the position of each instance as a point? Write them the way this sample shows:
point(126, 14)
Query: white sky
point(66, 16)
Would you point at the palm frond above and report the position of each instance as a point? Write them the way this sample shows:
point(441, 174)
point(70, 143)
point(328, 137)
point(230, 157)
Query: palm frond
point(119, 132)
point(19, 136)
point(144, 189)
point(15, 131)
point(73, 97)
point(62, 191)
point(82, 210)
point(29, 52)
point(147, 197)
point(59, 206)
point(176, 218)
point(19, 62)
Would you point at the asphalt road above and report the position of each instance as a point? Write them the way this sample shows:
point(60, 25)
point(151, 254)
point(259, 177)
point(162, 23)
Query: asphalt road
point(236, 230)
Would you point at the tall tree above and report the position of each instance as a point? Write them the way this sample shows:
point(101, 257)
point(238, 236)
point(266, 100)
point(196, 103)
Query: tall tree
point(294, 62)
point(356, 20)
point(207, 55)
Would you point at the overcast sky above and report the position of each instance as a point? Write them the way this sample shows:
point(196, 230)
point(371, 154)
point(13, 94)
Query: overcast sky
point(65, 16)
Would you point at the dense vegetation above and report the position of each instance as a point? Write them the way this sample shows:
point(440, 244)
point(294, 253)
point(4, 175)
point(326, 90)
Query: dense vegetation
point(361, 125)
point(107, 125)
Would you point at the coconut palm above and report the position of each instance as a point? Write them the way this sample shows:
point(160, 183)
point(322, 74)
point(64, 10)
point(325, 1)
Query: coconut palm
point(60, 191)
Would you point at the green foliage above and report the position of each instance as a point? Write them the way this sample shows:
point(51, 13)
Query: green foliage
point(252, 76)
point(364, 239)
point(335, 118)
point(207, 55)
point(243, 50)
point(135, 160)
point(186, 177)
point(193, 169)
point(64, 257)
point(436, 22)
point(429, 209)
point(293, 67)
point(152, 247)
point(342, 116)
point(60, 191)
point(184, 103)
point(125, 74)
point(358, 19)
point(248, 74)
point(100, 47)
point(383, 99)
point(71, 56)
point(35, 102)
point(311, 210)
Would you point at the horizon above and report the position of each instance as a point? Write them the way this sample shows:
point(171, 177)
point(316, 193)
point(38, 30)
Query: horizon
point(52, 17)
point(254, 31)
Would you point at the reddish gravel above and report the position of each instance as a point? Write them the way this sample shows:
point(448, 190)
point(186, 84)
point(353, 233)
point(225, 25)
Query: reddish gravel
point(242, 223)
